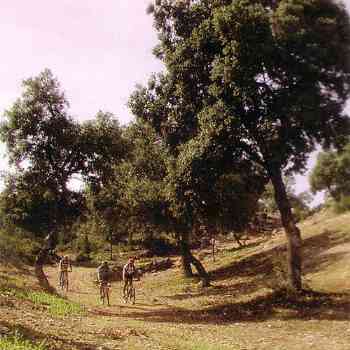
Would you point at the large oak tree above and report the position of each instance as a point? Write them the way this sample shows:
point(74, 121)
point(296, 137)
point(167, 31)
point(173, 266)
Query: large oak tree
point(263, 81)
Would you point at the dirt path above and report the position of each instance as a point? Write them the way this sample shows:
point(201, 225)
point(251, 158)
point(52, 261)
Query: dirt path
point(163, 318)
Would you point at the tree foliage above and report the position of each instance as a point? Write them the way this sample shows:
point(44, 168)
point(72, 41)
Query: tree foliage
point(48, 149)
point(300, 203)
point(331, 174)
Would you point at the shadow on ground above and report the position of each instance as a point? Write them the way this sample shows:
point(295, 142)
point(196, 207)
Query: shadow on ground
point(275, 305)
point(52, 342)
point(262, 263)
point(251, 274)
point(268, 268)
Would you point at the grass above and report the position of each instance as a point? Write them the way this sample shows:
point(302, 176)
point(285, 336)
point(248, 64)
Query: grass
point(55, 305)
point(18, 342)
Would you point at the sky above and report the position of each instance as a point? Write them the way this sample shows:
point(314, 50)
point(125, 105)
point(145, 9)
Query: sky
point(98, 50)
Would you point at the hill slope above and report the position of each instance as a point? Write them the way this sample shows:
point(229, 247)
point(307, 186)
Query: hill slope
point(241, 310)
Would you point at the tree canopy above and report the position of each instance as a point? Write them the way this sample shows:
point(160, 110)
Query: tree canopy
point(331, 173)
point(48, 148)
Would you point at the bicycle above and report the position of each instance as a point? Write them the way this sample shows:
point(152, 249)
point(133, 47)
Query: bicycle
point(130, 293)
point(104, 292)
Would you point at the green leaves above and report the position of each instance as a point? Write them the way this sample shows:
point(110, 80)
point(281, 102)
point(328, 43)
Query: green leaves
point(48, 149)
point(331, 173)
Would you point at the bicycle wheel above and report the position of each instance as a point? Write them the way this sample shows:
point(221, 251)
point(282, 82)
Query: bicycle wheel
point(102, 294)
point(126, 294)
point(106, 293)
point(60, 281)
point(65, 286)
point(132, 296)
point(63, 281)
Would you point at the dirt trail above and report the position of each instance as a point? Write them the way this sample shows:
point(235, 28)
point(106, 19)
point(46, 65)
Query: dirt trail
point(229, 315)
point(83, 290)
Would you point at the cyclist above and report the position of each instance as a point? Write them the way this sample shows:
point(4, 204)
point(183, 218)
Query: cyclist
point(64, 266)
point(129, 272)
point(103, 276)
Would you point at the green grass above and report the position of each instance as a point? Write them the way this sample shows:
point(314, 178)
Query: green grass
point(56, 305)
point(18, 342)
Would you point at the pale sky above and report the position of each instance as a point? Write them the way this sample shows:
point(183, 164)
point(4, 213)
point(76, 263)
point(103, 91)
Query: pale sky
point(98, 50)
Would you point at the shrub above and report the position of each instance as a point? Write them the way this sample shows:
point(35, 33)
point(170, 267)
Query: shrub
point(15, 248)
point(342, 205)
point(83, 258)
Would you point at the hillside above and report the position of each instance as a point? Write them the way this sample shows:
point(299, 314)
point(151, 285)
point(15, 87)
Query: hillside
point(244, 309)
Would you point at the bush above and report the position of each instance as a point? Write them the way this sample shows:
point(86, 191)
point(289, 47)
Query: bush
point(83, 245)
point(15, 248)
point(342, 205)
point(83, 258)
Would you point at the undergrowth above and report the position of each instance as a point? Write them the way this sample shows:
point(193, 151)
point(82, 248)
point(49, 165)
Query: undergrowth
point(17, 249)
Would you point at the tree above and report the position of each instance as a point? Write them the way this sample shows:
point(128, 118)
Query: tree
point(165, 192)
point(48, 149)
point(300, 203)
point(43, 143)
point(103, 145)
point(331, 174)
point(264, 81)
point(33, 207)
point(200, 195)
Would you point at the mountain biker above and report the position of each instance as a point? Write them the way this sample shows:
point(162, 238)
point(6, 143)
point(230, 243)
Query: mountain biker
point(129, 272)
point(103, 276)
point(64, 266)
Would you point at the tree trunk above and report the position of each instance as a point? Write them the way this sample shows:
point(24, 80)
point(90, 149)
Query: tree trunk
point(203, 275)
point(188, 258)
point(39, 272)
point(185, 257)
point(294, 241)
point(130, 238)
